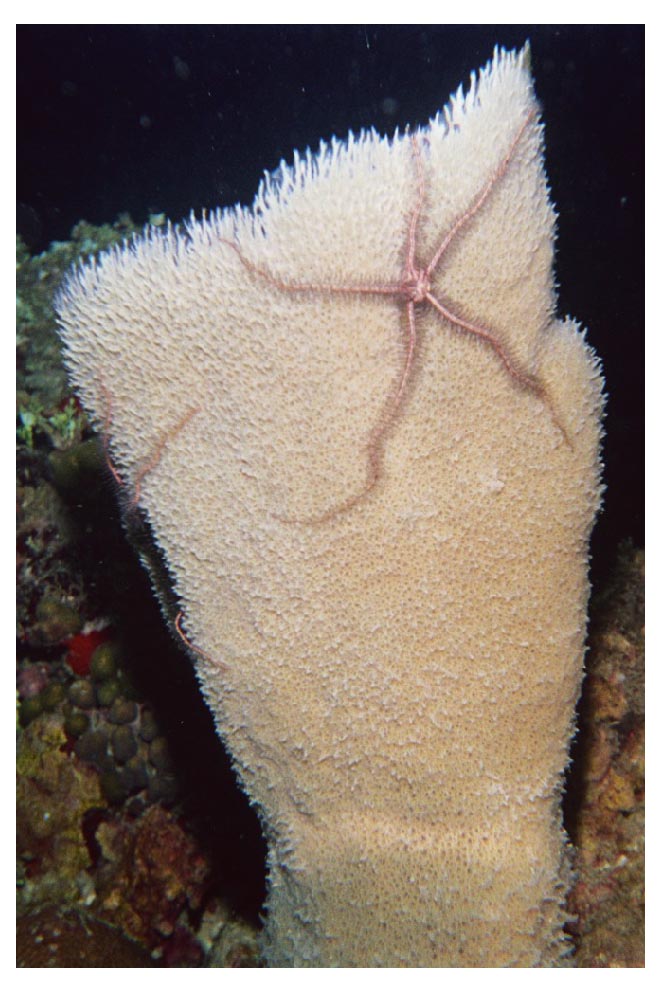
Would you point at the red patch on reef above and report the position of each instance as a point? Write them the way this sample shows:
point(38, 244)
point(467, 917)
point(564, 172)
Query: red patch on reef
point(71, 399)
point(182, 950)
point(81, 648)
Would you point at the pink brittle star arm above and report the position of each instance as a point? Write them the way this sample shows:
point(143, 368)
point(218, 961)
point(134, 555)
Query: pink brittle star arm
point(177, 622)
point(415, 284)
point(155, 454)
point(384, 290)
point(407, 288)
point(478, 330)
point(106, 433)
point(414, 288)
point(393, 290)
point(527, 381)
point(473, 328)
point(481, 198)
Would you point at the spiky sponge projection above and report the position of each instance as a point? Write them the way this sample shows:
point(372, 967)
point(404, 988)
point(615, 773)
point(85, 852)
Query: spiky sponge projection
point(384, 587)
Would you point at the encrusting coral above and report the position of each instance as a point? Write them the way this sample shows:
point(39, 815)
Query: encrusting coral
point(370, 457)
point(90, 738)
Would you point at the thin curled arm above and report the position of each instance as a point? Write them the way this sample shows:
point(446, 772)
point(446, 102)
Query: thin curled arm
point(106, 435)
point(376, 438)
point(419, 204)
point(528, 382)
point(481, 198)
point(379, 290)
point(153, 457)
point(177, 623)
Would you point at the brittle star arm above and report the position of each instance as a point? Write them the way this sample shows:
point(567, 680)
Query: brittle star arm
point(106, 435)
point(410, 353)
point(417, 211)
point(155, 454)
point(382, 290)
point(528, 381)
point(479, 201)
point(477, 330)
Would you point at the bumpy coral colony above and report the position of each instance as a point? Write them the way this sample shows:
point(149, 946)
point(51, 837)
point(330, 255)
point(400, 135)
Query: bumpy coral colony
point(370, 456)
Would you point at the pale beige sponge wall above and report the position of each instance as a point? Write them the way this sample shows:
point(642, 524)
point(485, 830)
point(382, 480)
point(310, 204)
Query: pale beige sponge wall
point(376, 518)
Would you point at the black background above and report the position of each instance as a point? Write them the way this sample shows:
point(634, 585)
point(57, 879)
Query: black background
point(170, 118)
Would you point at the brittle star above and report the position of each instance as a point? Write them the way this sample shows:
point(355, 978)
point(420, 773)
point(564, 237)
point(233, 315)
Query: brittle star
point(415, 288)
